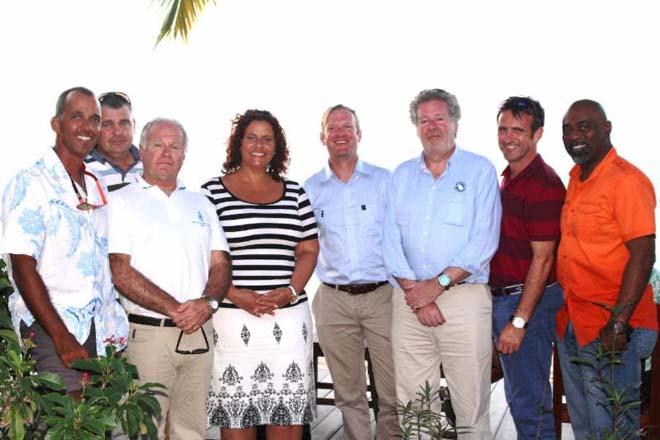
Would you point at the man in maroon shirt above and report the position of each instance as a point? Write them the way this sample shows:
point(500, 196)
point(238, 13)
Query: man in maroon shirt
point(523, 282)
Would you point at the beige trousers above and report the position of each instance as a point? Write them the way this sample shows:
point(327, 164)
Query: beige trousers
point(462, 345)
point(344, 324)
point(186, 377)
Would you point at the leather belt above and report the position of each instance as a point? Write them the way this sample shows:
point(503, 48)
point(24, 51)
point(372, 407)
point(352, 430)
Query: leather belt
point(148, 320)
point(357, 289)
point(514, 289)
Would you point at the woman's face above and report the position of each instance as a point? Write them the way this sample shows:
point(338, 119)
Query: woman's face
point(258, 145)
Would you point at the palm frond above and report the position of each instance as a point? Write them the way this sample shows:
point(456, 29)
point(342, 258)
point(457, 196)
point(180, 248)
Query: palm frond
point(180, 18)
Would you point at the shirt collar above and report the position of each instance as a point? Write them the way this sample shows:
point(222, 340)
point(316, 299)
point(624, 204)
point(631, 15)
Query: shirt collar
point(55, 166)
point(529, 169)
point(94, 154)
point(360, 168)
point(605, 163)
point(146, 185)
point(454, 156)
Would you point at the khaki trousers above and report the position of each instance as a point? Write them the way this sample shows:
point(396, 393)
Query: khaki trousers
point(462, 345)
point(186, 377)
point(344, 323)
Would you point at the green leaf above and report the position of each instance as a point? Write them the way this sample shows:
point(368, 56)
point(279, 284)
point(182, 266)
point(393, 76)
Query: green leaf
point(87, 365)
point(16, 424)
point(180, 17)
point(49, 380)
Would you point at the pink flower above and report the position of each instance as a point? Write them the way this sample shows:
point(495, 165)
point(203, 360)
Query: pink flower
point(84, 381)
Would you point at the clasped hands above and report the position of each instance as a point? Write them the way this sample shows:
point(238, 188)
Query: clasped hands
point(261, 304)
point(420, 297)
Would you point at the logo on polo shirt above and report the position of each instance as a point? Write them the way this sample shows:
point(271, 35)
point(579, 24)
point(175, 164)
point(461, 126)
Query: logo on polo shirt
point(200, 220)
point(460, 187)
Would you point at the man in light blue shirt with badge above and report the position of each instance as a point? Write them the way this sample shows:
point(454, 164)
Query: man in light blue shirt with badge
point(353, 305)
point(441, 230)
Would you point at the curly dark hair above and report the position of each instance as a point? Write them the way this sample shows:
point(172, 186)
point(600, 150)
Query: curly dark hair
point(278, 165)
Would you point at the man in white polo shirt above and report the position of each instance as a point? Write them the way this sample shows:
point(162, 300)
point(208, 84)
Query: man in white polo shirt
point(168, 257)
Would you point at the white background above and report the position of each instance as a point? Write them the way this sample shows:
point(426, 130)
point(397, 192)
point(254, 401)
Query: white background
point(297, 57)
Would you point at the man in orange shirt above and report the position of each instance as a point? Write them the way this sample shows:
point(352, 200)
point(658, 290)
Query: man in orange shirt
point(605, 257)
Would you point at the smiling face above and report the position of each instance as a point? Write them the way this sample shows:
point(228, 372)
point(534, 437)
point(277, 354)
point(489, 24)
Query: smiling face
point(77, 127)
point(515, 138)
point(436, 128)
point(341, 135)
point(586, 134)
point(258, 145)
point(162, 154)
point(117, 129)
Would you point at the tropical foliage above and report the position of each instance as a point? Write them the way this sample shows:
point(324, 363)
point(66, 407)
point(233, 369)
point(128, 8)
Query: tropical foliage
point(180, 18)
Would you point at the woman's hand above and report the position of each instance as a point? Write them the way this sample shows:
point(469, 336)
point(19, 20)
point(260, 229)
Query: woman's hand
point(276, 298)
point(248, 300)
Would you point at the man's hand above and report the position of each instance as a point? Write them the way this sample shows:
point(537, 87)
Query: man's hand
point(422, 293)
point(191, 315)
point(69, 350)
point(430, 315)
point(612, 342)
point(510, 339)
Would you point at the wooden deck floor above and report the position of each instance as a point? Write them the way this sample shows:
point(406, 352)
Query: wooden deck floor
point(328, 423)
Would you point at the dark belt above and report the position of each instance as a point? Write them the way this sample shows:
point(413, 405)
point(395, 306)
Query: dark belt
point(514, 289)
point(357, 289)
point(148, 320)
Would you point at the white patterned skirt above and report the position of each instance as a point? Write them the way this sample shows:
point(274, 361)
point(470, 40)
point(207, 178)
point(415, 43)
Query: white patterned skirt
point(263, 372)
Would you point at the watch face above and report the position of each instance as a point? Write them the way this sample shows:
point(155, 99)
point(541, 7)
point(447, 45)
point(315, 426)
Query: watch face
point(214, 304)
point(444, 280)
point(518, 322)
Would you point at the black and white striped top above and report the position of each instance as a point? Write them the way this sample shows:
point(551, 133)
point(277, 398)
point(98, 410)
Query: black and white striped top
point(262, 237)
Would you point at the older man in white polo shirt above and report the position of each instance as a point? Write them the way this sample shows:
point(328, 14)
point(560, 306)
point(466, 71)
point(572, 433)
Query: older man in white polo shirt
point(168, 260)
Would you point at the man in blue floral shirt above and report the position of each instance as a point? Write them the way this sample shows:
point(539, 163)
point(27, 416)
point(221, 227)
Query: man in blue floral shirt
point(54, 240)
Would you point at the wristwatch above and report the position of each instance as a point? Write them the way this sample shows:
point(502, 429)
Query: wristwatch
point(519, 322)
point(294, 295)
point(213, 303)
point(444, 280)
point(619, 327)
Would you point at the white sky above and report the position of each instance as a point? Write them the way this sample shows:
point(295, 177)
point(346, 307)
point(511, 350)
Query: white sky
point(297, 57)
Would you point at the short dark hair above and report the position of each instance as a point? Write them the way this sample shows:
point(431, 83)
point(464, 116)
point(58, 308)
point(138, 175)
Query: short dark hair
point(435, 95)
point(59, 106)
point(115, 100)
point(324, 118)
point(524, 104)
point(278, 164)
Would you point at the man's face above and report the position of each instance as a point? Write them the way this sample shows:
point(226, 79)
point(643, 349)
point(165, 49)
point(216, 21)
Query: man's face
point(117, 129)
point(435, 127)
point(77, 128)
point(514, 135)
point(162, 154)
point(586, 134)
point(340, 135)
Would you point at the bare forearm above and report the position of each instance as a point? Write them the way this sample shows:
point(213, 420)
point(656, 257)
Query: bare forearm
point(139, 289)
point(534, 287)
point(35, 294)
point(219, 276)
point(305, 263)
point(635, 276)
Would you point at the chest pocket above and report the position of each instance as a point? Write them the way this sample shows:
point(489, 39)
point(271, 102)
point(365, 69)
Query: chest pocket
point(452, 209)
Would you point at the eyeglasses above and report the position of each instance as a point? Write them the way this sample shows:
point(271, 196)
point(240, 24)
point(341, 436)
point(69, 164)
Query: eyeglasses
point(119, 95)
point(194, 351)
point(83, 204)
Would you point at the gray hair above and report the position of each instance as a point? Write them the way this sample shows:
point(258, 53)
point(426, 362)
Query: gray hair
point(149, 125)
point(61, 100)
point(435, 95)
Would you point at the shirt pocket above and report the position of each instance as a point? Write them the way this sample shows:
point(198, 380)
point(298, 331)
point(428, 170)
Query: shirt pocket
point(369, 218)
point(452, 210)
point(591, 223)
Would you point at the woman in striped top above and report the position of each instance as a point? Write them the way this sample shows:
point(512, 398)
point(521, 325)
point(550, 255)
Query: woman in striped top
point(263, 371)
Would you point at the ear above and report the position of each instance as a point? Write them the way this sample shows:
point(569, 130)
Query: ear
point(359, 135)
point(56, 124)
point(322, 137)
point(537, 134)
point(608, 127)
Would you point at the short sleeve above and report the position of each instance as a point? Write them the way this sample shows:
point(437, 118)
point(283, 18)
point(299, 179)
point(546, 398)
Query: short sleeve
point(543, 212)
point(24, 217)
point(218, 239)
point(308, 222)
point(634, 206)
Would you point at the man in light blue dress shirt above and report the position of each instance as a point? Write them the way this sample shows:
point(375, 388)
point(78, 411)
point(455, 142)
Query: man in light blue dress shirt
point(353, 304)
point(441, 230)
